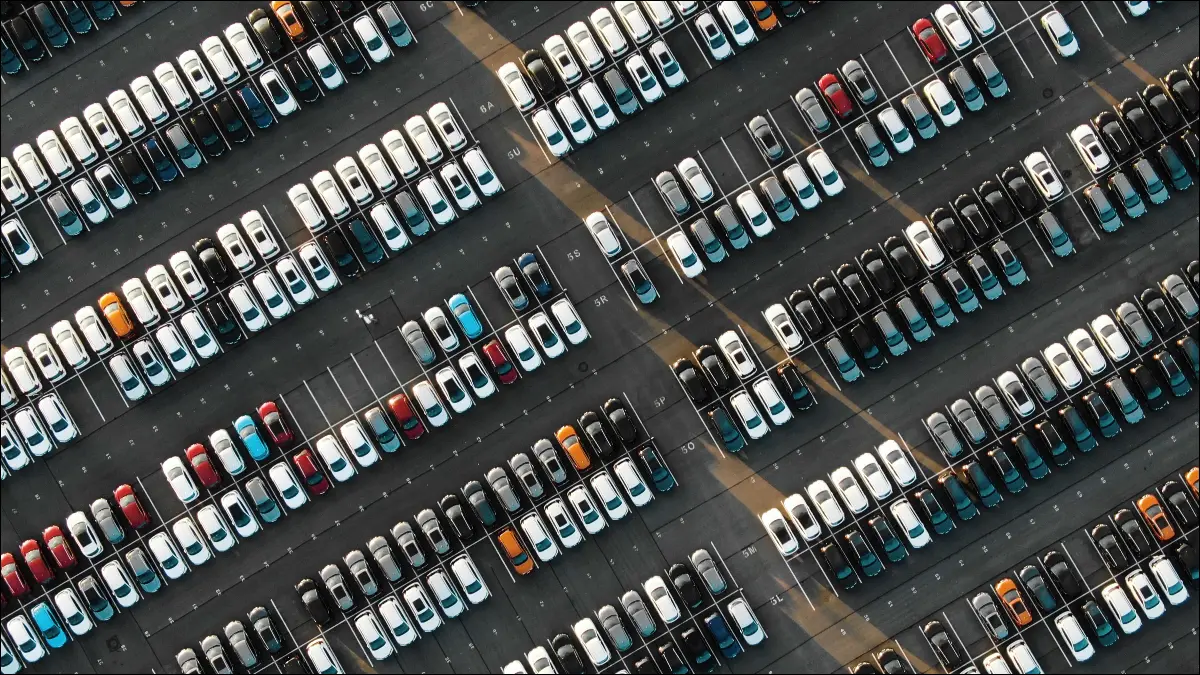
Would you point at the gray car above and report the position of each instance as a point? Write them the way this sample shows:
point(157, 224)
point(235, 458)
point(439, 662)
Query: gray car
point(428, 521)
point(103, 514)
point(622, 94)
point(502, 488)
point(807, 101)
point(214, 653)
point(877, 152)
point(990, 402)
point(511, 288)
point(548, 458)
point(636, 610)
point(1036, 372)
point(919, 114)
point(968, 420)
point(381, 552)
point(859, 83)
point(418, 343)
point(382, 430)
point(714, 250)
point(188, 663)
point(610, 621)
point(475, 495)
point(990, 616)
point(707, 570)
point(356, 562)
point(264, 628)
point(335, 583)
point(943, 434)
point(402, 532)
point(765, 136)
point(733, 228)
point(526, 475)
point(1129, 315)
point(781, 204)
point(143, 571)
point(669, 188)
point(235, 633)
point(413, 216)
point(1173, 286)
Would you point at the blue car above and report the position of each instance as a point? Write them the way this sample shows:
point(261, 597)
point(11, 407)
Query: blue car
point(103, 9)
point(532, 269)
point(251, 439)
point(461, 308)
point(77, 17)
point(731, 437)
point(726, 642)
point(47, 625)
point(255, 107)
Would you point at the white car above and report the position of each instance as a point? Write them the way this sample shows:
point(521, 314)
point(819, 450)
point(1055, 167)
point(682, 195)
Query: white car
point(1018, 398)
point(26, 252)
point(177, 92)
point(397, 622)
point(1118, 604)
point(745, 621)
point(752, 210)
point(334, 457)
point(187, 274)
point(647, 83)
point(247, 308)
point(15, 456)
point(517, 87)
point(435, 201)
point(606, 491)
point(633, 20)
point(477, 375)
point(783, 327)
point(714, 37)
point(377, 167)
point(310, 213)
point(172, 345)
point(55, 414)
point(226, 452)
point(894, 128)
point(368, 33)
point(577, 125)
point(1086, 351)
point(1022, 658)
point(127, 115)
point(547, 337)
point(288, 487)
point(239, 513)
point(563, 525)
point(72, 612)
point(331, 195)
point(139, 301)
point(1137, 8)
point(872, 474)
point(561, 58)
point(1064, 369)
point(1143, 591)
point(768, 394)
point(197, 74)
point(800, 516)
point(219, 59)
point(522, 347)
point(826, 173)
point(180, 480)
point(22, 371)
point(119, 584)
point(672, 73)
point(779, 532)
point(389, 227)
point(14, 191)
point(938, 97)
point(735, 20)
point(278, 93)
point(735, 353)
point(695, 180)
point(318, 267)
point(397, 148)
point(86, 195)
point(31, 432)
point(446, 125)
point(1072, 634)
point(797, 179)
point(130, 383)
point(631, 480)
point(371, 632)
point(469, 578)
point(453, 390)
point(585, 45)
point(430, 404)
point(896, 463)
point(243, 46)
point(609, 32)
point(271, 295)
point(953, 27)
point(593, 645)
point(925, 244)
point(1090, 149)
point(69, 344)
point(664, 604)
point(906, 518)
point(1044, 176)
point(31, 167)
point(46, 359)
point(420, 135)
point(535, 531)
point(685, 255)
point(448, 340)
point(101, 125)
point(235, 247)
point(568, 320)
point(331, 76)
point(28, 644)
point(539, 660)
point(458, 186)
point(114, 188)
point(260, 235)
point(482, 173)
point(747, 413)
point(1059, 33)
point(54, 154)
point(980, 17)
point(1110, 338)
point(849, 489)
point(189, 539)
point(153, 368)
point(1168, 580)
point(351, 177)
point(78, 140)
point(547, 127)
point(585, 509)
point(322, 658)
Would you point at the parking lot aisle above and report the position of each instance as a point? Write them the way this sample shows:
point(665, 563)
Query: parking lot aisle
point(1007, 32)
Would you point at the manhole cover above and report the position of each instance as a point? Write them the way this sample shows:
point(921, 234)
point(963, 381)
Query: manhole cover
point(1047, 92)
point(583, 366)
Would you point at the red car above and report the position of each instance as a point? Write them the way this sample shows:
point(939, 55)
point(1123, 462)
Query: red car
point(35, 562)
point(64, 557)
point(835, 95)
point(128, 502)
point(13, 580)
point(276, 426)
point(313, 478)
point(930, 41)
point(411, 425)
point(197, 456)
point(501, 366)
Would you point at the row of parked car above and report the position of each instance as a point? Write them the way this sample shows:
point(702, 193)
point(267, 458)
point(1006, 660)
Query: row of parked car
point(696, 584)
point(44, 24)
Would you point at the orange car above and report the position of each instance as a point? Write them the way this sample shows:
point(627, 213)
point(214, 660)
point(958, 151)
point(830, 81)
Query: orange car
point(289, 19)
point(568, 440)
point(1193, 479)
point(1152, 511)
point(520, 560)
point(114, 312)
point(763, 15)
point(1011, 597)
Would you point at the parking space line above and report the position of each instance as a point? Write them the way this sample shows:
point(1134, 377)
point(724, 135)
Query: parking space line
point(1029, 18)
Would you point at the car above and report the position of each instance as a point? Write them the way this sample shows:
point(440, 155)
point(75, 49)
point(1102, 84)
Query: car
point(945, 647)
point(806, 101)
point(1139, 585)
point(914, 530)
point(835, 96)
point(672, 73)
point(922, 240)
point(862, 553)
point(943, 104)
point(826, 173)
point(1059, 33)
point(1174, 287)
point(849, 490)
point(989, 616)
point(897, 133)
point(735, 21)
point(1168, 580)
point(1086, 351)
point(1160, 313)
point(872, 474)
point(1161, 107)
point(1138, 121)
point(930, 41)
point(876, 151)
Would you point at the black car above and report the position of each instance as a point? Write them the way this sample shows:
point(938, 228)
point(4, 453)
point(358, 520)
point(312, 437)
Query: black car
point(264, 628)
point(835, 560)
point(1159, 313)
point(534, 275)
point(1148, 386)
point(212, 262)
point(338, 251)
point(264, 30)
point(1135, 534)
point(1138, 121)
point(1026, 199)
point(295, 666)
point(902, 257)
point(1161, 107)
point(685, 586)
point(698, 653)
point(1110, 548)
point(1053, 442)
point(135, 174)
point(948, 229)
point(539, 71)
point(597, 433)
point(348, 53)
point(567, 655)
point(945, 648)
point(1185, 553)
point(795, 386)
point(310, 595)
point(871, 353)
point(1183, 92)
point(304, 86)
point(164, 168)
point(973, 219)
point(317, 15)
point(366, 242)
point(1066, 579)
point(997, 203)
point(621, 421)
point(1112, 133)
point(644, 665)
point(856, 289)
point(344, 8)
point(878, 272)
point(691, 380)
point(831, 300)
point(714, 366)
point(892, 663)
point(220, 317)
point(865, 668)
point(6, 264)
point(205, 132)
point(26, 39)
point(1181, 506)
point(480, 503)
point(459, 522)
point(231, 121)
point(805, 307)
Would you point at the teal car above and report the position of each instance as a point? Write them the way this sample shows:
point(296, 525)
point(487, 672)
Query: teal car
point(943, 315)
point(938, 518)
point(264, 503)
point(988, 495)
point(1179, 384)
point(64, 215)
point(1130, 200)
point(731, 437)
point(95, 599)
point(47, 625)
point(464, 313)
point(1010, 264)
point(1080, 433)
point(1034, 464)
point(836, 562)
point(988, 283)
point(719, 630)
point(963, 295)
point(1012, 479)
point(877, 152)
point(1156, 190)
point(917, 325)
point(251, 439)
point(892, 337)
point(963, 504)
point(1103, 209)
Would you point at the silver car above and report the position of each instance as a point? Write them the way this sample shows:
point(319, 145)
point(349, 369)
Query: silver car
point(807, 101)
point(707, 569)
point(672, 193)
point(381, 552)
point(968, 420)
point(526, 475)
point(215, 654)
point(102, 513)
point(986, 396)
point(548, 458)
point(1036, 372)
point(361, 572)
point(636, 610)
point(406, 539)
point(427, 520)
point(418, 343)
point(235, 633)
point(503, 490)
point(335, 583)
